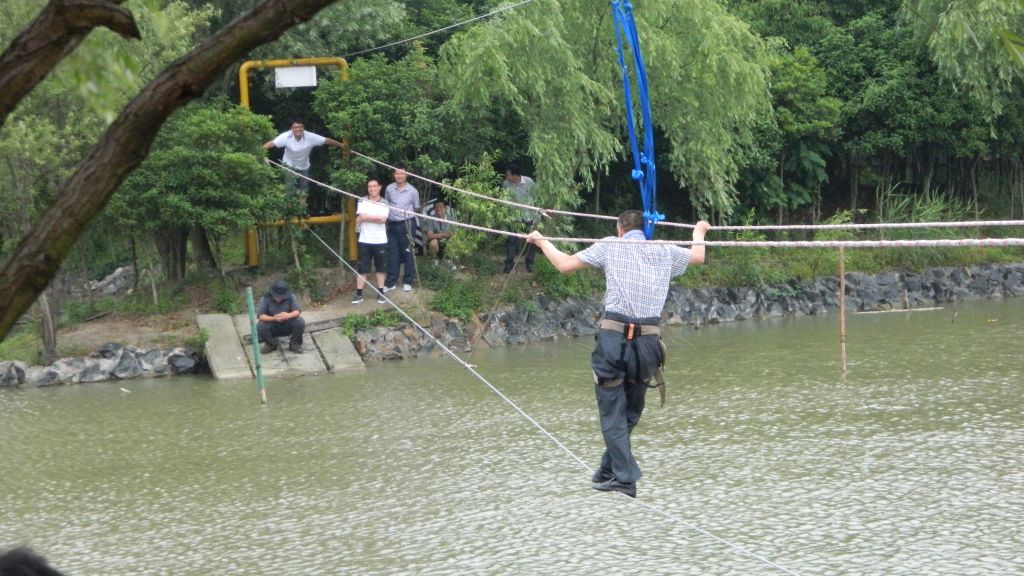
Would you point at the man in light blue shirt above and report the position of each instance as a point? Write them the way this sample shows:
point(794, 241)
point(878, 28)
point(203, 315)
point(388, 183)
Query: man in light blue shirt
point(404, 200)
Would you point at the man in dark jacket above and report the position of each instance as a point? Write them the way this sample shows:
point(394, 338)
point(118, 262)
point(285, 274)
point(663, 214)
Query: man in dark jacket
point(279, 314)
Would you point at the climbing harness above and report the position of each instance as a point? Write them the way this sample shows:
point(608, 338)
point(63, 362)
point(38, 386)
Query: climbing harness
point(630, 332)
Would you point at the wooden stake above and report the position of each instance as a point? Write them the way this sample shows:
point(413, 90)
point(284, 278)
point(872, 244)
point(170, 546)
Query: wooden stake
point(842, 309)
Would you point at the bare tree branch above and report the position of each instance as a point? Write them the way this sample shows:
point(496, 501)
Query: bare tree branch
point(124, 146)
point(55, 33)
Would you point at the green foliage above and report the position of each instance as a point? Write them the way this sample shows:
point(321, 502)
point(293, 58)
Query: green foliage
point(390, 110)
point(972, 41)
point(304, 279)
point(226, 299)
point(459, 298)
point(22, 345)
point(552, 69)
point(580, 284)
point(226, 186)
point(357, 322)
point(107, 69)
point(198, 342)
point(481, 178)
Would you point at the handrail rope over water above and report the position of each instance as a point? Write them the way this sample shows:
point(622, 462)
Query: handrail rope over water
point(975, 242)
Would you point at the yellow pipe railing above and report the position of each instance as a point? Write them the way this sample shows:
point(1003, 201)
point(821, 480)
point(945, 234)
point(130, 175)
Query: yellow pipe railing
point(348, 216)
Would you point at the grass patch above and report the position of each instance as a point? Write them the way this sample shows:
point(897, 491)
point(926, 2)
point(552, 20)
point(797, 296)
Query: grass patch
point(580, 284)
point(356, 322)
point(22, 344)
point(459, 298)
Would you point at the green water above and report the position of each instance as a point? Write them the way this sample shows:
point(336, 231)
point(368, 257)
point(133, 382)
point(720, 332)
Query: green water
point(911, 464)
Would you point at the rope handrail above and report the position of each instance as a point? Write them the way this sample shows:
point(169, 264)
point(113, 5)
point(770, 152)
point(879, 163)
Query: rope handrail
point(484, 196)
point(922, 243)
point(408, 213)
point(725, 227)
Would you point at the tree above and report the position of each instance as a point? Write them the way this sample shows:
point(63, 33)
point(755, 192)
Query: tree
point(226, 188)
point(976, 42)
point(125, 144)
point(553, 65)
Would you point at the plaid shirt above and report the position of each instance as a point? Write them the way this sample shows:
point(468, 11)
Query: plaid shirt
point(637, 275)
point(406, 198)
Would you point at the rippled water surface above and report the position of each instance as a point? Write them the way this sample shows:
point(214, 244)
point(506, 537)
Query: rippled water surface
point(911, 464)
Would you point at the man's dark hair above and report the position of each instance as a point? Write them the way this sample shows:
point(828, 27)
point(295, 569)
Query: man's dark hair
point(368, 180)
point(440, 201)
point(513, 169)
point(24, 562)
point(631, 220)
point(297, 121)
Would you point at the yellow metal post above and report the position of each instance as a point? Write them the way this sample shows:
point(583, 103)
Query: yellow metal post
point(252, 251)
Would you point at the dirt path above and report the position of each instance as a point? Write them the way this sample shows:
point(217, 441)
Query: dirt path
point(143, 332)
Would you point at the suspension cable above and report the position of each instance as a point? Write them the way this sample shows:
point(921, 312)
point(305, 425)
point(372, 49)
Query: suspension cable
point(439, 30)
point(731, 228)
point(922, 243)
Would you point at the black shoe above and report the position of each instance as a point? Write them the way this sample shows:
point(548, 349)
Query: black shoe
point(529, 267)
point(601, 475)
point(267, 348)
point(507, 269)
point(614, 485)
point(295, 347)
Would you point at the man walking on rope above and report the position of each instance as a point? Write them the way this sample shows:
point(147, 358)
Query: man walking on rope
point(629, 351)
point(405, 200)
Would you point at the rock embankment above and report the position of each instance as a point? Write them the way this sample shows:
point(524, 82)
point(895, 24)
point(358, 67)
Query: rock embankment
point(545, 319)
point(110, 362)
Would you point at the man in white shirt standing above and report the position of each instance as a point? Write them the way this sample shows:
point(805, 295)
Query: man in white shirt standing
point(371, 222)
point(297, 144)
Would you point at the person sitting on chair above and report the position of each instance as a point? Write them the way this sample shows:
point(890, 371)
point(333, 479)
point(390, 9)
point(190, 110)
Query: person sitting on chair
point(279, 314)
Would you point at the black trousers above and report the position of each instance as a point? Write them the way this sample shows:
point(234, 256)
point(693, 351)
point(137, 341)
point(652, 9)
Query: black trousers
point(622, 369)
point(512, 250)
point(270, 331)
point(400, 258)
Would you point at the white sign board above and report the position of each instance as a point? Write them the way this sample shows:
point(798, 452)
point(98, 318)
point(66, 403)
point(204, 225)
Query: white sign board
point(295, 76)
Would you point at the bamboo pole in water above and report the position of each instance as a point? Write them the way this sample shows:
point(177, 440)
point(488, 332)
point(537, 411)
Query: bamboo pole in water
point(257, 359)
point(842, 309)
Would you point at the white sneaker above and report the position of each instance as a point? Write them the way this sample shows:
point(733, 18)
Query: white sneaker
point(357, 300)
point(381, 300)
point(388, 289)
point(406, 288)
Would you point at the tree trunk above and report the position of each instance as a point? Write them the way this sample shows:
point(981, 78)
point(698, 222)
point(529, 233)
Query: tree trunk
point(49, 308)
point(854, 184)
point(172, 243)
point(929, 172)
point(55, 33)
point(35, 260)
point(202, 252)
